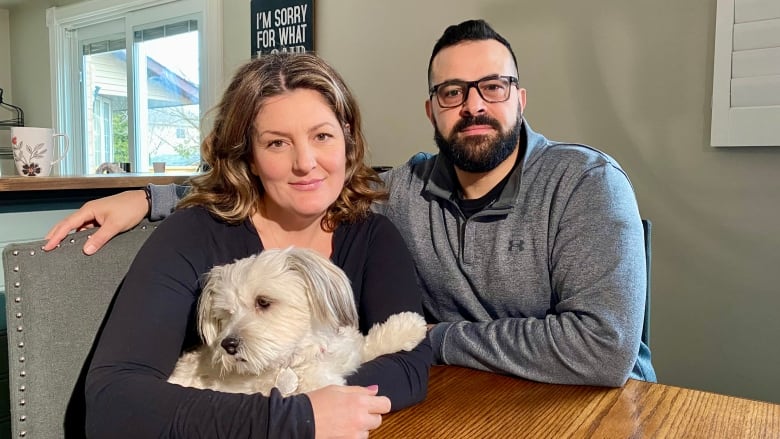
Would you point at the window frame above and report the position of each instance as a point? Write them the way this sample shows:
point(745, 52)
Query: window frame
point(65, 57)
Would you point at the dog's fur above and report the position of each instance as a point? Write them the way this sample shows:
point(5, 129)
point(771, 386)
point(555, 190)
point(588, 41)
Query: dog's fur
point(285, 319)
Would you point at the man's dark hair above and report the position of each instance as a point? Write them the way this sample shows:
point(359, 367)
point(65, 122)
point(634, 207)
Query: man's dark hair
point(469, 30)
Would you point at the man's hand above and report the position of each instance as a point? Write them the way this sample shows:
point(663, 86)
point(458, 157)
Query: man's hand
point(347, 411)
point(114, 214)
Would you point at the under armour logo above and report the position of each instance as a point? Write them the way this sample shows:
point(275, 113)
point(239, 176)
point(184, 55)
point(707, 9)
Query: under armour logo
point(516, 245)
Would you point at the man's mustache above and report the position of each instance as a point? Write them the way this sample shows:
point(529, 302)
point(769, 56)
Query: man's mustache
point(466, 122)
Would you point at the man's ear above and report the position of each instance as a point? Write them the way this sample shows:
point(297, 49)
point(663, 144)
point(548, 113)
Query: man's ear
point(521, 99)
point(429, 111)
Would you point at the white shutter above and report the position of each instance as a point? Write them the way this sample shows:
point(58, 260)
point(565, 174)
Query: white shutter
point(746, 74)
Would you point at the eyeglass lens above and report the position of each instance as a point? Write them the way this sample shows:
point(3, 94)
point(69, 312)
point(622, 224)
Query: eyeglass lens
point(491, 90)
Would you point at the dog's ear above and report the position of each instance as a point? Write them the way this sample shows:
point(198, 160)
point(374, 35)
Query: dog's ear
point(208, 325)
point(328, 288)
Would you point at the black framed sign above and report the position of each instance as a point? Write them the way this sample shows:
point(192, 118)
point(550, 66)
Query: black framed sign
point(282, 26)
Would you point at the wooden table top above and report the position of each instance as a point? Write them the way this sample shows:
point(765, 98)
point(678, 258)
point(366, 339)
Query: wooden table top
point(92, 181)
point(466, 403)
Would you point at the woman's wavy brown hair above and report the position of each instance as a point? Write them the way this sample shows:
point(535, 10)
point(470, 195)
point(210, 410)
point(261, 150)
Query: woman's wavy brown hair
point(229, 190)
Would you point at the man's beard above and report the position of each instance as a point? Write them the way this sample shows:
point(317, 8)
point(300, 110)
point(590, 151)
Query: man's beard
point(481, 153)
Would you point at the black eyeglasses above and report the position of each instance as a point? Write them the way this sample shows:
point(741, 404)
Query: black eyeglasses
point(492, 89)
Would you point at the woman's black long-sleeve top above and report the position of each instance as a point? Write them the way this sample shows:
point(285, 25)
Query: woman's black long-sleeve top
point(153, 319)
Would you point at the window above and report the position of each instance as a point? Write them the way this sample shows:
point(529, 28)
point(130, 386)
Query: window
point(131, 81)
point(102, 150)
point(746, 74)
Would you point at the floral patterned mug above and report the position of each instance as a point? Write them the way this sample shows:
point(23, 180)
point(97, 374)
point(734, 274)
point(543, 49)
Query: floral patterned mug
point(33, 150)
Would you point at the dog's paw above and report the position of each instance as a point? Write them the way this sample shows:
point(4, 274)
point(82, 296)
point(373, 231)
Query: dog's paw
point(401, 332)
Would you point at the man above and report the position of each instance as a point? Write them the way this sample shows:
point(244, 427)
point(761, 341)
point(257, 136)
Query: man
point(530, 251)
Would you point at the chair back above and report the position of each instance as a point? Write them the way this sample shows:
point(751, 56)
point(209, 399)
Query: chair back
point(647, 226)
point(56, 304)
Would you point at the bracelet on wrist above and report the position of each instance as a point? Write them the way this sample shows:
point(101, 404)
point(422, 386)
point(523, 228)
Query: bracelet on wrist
point(148, 193)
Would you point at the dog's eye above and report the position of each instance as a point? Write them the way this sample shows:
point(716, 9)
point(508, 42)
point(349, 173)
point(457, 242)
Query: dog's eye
point(262, 302)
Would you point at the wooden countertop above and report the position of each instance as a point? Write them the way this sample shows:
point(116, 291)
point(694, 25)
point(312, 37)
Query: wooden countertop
point(95, 181)
point(466, 403)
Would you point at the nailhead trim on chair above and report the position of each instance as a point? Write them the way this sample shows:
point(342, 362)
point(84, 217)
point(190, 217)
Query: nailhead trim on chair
point(20, 344)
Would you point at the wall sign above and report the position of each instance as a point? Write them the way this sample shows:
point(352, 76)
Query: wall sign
point(282, 26)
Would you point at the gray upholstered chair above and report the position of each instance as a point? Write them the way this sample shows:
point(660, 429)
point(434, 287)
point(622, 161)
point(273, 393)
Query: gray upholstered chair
point(56, 303)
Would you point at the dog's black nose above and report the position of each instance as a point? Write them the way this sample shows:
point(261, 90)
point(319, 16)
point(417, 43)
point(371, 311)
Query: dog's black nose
point(230, 345)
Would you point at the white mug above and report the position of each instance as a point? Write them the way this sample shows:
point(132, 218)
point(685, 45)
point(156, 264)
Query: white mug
point(33, 150)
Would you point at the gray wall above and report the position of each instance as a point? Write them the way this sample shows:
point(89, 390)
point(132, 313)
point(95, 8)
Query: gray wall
point(631, 78)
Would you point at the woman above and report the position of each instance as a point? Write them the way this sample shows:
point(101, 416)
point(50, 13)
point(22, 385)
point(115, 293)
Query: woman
point(286, 156)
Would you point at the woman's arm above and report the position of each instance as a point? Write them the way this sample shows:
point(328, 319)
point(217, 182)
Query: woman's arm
point(116, 213)
point(388, 285)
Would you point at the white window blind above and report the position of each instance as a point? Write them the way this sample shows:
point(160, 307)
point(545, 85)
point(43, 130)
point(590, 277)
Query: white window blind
point(746, 74)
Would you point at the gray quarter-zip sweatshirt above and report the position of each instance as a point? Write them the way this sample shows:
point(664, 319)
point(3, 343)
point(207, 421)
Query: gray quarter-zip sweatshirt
point(547, 282)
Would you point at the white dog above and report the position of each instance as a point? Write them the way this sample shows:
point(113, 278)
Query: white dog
point(284, 319)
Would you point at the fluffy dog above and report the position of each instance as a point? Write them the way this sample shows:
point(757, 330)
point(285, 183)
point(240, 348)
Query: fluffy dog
point(284, 319)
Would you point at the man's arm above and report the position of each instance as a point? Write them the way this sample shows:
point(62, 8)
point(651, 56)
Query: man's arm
point(164, 198)
point(115, 214)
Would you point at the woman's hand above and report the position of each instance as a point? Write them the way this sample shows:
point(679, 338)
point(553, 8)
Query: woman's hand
point(114, 214)
point(347, 411)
